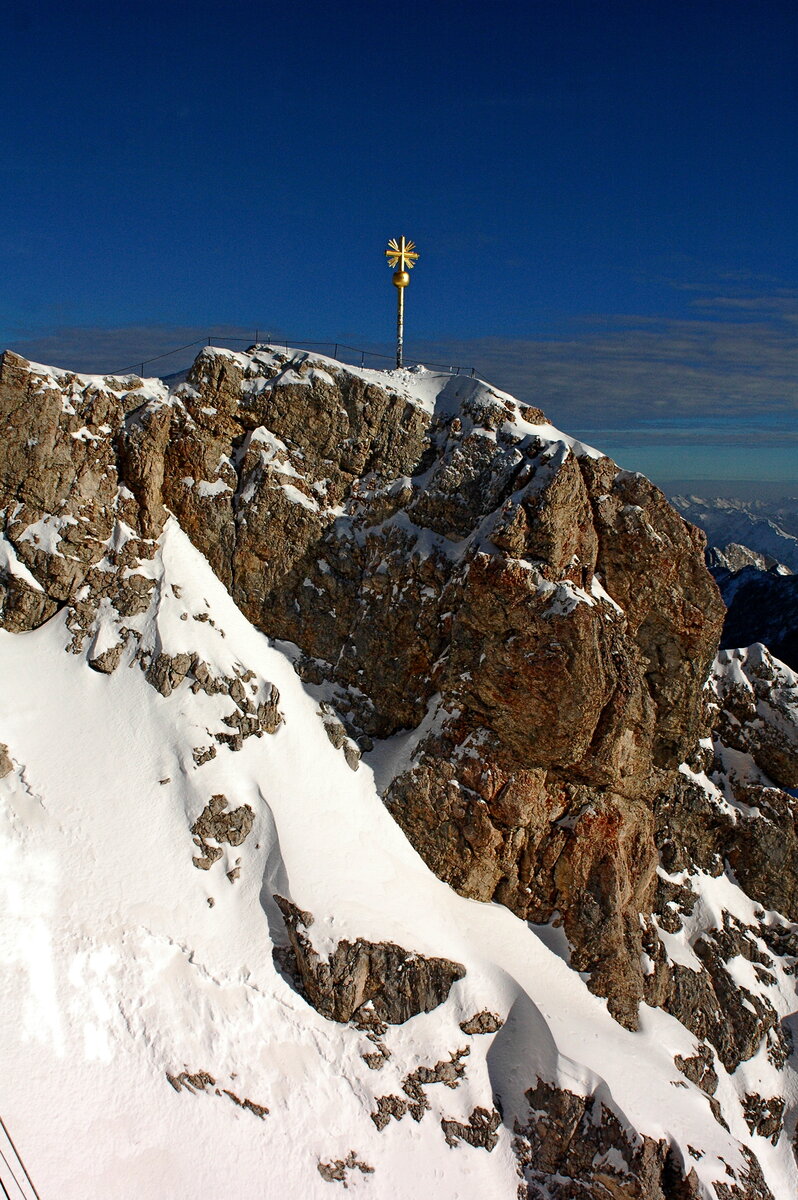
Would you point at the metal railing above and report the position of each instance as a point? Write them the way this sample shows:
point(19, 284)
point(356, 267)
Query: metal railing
point(15, 1181)
point(340, 351)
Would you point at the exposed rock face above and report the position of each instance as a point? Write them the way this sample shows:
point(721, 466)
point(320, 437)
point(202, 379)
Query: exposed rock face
point(758, 707)
point(482, 1022)
point(764, 1116)
point(214, 824)
point(558, 607)
point(716, 1007)
point(389, 982)
point(735, 817)
point(575, 1146)
point(480, 1130)
point(450, 1072)
point(59, 481)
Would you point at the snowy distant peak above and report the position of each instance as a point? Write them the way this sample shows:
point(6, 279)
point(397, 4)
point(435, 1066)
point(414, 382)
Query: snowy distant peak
point(768, 528)
point(734, 558)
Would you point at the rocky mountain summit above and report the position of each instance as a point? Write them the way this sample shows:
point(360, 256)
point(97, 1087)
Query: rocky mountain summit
point(518, 644)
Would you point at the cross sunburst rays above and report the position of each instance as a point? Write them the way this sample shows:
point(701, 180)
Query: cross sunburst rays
point(401, 253)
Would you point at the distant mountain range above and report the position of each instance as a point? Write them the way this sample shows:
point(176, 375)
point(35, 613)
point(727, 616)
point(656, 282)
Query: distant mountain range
point(766, 526)
point(753, 555)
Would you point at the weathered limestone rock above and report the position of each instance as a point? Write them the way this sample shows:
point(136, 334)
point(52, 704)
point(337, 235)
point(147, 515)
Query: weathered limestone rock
point(393, 983)
point(764, 850)
point(539, 847)
point(651, 563)
point(482, 1022)
point(738, 819)
point(336, 1170)
point(450, 1072)
point(764, 1116)
point(336, 732)
point(23, 607)
point(59, 479)
point(544, 623)
point(107, 662)
point(700, 1069)
point(576, 1146)
point(250, 716)
point(480, 1130)
point(758, 710)
point(214, 824)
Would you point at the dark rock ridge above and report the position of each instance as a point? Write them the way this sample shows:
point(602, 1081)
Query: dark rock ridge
point(762, 607)
point(573, 1146)
point(726, 812)
point(363, 980)
point(753, 554)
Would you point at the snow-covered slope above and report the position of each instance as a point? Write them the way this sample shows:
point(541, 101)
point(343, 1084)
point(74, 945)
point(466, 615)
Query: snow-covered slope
point(124, 964)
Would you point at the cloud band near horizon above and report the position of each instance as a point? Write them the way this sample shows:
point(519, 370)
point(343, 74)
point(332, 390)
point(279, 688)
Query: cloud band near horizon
point(667, 385)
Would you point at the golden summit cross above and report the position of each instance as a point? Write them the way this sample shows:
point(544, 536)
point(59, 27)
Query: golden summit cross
point(402, 255)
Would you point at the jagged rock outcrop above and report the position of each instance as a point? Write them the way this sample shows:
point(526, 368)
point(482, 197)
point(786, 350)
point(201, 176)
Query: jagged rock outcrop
point(742, 815)
point(414, 1102)
point(218, 824)
point(479, 1131)
point(391, 983)
point(576, 1146)
point(60, 482)
point(725, 811)
point(758, 711)
point(482, 1022)
point(558, 607)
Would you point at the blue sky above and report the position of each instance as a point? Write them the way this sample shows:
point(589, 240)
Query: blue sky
point(604, 195)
